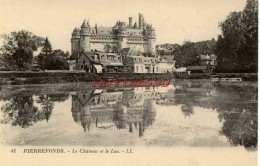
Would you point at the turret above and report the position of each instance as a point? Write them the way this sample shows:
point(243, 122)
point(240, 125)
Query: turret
point(75, 41)
point(85, 37)
point(130, 22)
point(122, 36)
point(135, 26)
point(85, 117)
point(141, 19)
point(141, 129)
point(151, 41)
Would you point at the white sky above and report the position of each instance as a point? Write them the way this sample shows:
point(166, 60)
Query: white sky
point(174, 20)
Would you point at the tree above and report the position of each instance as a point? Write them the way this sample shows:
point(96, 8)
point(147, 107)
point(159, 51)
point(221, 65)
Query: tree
point(52, 59)
point(47, 106)
point(237, 46)
point(188, 55)
point(20, 110)
point(16, 53)
point(57, 61)
point(45, 54)
point(47, 48)
point(61, 53)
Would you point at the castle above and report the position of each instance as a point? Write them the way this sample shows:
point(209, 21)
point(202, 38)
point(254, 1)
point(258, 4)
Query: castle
point(133, 108)
point(139, 37)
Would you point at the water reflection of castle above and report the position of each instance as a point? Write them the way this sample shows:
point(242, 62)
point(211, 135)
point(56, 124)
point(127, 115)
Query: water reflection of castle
point(121, 108)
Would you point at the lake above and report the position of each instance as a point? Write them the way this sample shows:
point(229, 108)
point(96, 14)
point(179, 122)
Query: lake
point(191, 113)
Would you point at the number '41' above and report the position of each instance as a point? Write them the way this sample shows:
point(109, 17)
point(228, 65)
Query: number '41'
point(13, 150)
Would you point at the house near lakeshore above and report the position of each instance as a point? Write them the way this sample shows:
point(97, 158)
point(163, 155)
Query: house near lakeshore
point(98, 62)
point(207, 65)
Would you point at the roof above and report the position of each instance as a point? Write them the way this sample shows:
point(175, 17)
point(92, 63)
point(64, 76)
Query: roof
point(197, 68)
point(74, 56)
point(163, 60)
point(181, 69)
point(213, 56)
point(117, 65)
point(208, 57)
point(125, 51)
point(104, 30)
point(89, 55)
point(168, 58)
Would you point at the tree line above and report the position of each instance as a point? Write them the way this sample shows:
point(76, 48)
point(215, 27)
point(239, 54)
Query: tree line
point(236, 48)
point(18, 49)
point(188, 54)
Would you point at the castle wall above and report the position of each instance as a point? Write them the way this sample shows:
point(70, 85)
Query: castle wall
point(137, 47)
point(95, 43)
point(110, 39)
point(134, 32)
point(100, 44)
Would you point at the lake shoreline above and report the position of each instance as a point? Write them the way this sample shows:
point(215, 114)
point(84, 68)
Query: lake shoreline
point(30, 78)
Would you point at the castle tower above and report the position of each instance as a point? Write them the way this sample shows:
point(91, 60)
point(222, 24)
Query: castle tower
point(85, 37)
point(131, 127)
point(130, 22)
point(151, 41)
point(85, 118)
point(75, 41)
point(141, 18)
point(141, 129)
point(122, 36)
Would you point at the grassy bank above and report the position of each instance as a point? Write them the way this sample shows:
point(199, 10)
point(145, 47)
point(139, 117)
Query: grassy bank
point(26, 78)
point(244, 76)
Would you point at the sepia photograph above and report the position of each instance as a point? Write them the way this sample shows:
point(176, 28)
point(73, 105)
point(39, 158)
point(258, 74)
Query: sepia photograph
point(123, 82)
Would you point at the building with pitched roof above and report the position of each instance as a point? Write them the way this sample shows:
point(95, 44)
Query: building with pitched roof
point(98, 62)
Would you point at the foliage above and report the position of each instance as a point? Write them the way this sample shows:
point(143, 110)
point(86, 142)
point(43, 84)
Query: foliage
point(46, 51)
point(55, 62)
point(52, 59)
point(20, 110)
point(188, 53)
point(47, 48)
point(237, 46)
point(16, 53)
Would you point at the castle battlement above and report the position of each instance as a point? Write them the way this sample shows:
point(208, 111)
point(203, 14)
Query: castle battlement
point(139, 37)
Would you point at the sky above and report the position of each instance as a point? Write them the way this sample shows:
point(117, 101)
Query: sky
point(175, 21)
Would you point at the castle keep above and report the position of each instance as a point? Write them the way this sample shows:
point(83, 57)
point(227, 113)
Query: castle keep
point(139, 37)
